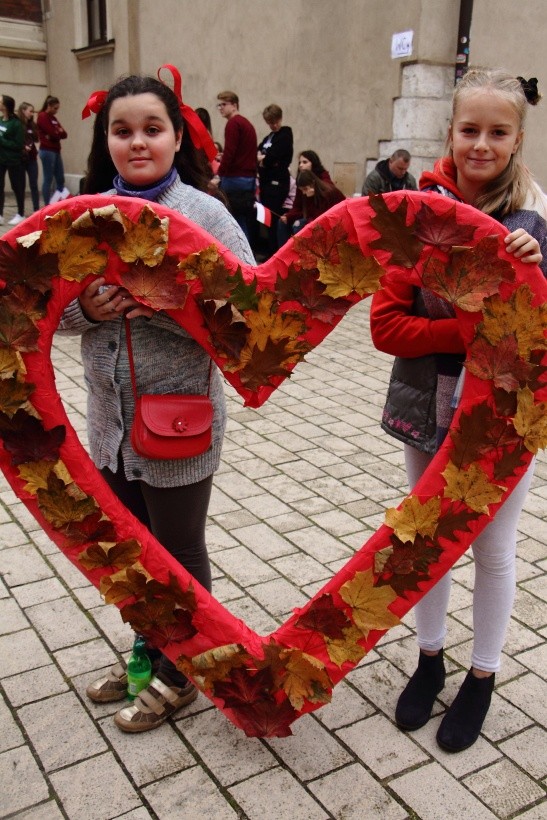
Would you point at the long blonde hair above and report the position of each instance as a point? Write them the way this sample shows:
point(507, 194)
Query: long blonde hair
point(511, 189)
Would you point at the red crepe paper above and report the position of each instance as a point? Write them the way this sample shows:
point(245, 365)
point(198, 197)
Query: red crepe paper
point(258, 323)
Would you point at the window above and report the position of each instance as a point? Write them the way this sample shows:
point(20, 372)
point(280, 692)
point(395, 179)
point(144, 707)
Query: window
point(96, 21)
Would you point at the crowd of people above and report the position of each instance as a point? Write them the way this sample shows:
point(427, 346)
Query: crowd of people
point(143, 146)
point(19, 135)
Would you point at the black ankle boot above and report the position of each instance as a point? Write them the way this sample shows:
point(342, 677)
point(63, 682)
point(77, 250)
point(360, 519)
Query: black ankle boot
point(416, 700)
point(463, 721)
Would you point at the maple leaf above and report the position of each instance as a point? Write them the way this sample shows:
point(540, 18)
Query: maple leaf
point(32, 303)
point(209, 267)
point(91, 528)
point(454, 519)
point(243, 295)
point(267, 324)
point(13, 395)
point(505, 403)
point(227, 328)
point(36, 474)
point(243, 688)
point(26, 440)
point(472, 486)
point(260, 365)
point(414, 518)
point(181, 629)
point(81, 258)
point(320, 244)
point(324, 617)
point(396, 236)
point(304, 287)
point(25, 266)
point(55, 237)
point(126, 583)
point(17, 331)
point(11, 362)
point(172, 593)
point(510, 462)
point(515, 316)
point(477, 432)
point(106, 224)
point(157, 287)
point(121, 554)
point(347, 648)
point(531, 420)
point(143, 241)
point(354, 274)
point(213, 665)
point(499, 362)
point(406, 564)
point(369, 604)
point(538, 370)
point(305, 679)
point(442, 230)
point(59, 506)
point(266, 718)
point(470, 276)
point(159, 623)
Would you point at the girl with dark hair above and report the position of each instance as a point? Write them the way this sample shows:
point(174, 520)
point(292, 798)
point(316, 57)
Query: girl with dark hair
point(25, 112)
point(313, 198)
point(51, 132)
point(309, 161)
point(144, 145)
point(11, 157)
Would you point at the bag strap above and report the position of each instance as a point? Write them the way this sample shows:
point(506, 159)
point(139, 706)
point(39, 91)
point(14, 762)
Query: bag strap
point(132, 363)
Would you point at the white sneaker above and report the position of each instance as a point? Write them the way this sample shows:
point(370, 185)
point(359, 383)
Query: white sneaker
point(64, 193)
point(55, 197)
point(1, 220)
point(15, 220)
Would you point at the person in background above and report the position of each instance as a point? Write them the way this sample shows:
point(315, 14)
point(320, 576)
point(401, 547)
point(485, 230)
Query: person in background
point(274, 156)
point(12, 139)
point(25, 112)
point(237, 171)
point(390, 175)
point(483, 168)
point(142, 147)
point(308, 160)
point(51, 132)
point(316, 197)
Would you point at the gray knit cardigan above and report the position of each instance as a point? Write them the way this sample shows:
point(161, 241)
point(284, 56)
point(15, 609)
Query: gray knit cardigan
point(167, 360)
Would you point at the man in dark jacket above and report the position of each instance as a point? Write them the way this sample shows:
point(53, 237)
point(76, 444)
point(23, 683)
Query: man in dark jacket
point(390, 175)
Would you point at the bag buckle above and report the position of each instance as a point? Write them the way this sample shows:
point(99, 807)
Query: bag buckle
point(180, 424)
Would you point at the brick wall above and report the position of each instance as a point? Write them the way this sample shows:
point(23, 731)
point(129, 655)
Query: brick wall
point(28, 10)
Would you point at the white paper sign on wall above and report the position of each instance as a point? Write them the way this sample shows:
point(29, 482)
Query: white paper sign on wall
point(401, 44)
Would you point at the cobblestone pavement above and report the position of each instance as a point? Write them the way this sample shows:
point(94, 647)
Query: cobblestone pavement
point(303, 482)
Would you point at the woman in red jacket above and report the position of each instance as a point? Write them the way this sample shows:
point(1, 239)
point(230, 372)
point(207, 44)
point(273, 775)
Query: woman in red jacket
point(51, 132)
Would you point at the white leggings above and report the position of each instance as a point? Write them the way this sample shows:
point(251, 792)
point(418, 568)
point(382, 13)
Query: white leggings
point(494, 552)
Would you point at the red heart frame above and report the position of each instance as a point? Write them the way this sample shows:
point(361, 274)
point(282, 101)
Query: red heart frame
point(263, 684)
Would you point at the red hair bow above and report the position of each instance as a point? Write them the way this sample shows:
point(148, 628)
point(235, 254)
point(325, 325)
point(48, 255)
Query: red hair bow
point(94, 103)
point(199, 135)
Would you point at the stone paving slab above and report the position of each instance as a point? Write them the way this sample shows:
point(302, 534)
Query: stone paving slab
point(303, 482)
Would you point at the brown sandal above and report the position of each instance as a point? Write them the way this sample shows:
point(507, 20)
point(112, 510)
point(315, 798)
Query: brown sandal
point(154, 705)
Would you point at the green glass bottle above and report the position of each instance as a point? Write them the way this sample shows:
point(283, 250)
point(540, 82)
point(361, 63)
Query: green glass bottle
point(139, 669)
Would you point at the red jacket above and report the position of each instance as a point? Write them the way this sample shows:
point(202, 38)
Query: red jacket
point(50, 131)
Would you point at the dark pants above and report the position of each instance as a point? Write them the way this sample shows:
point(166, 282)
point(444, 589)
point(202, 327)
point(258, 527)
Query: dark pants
point(240, 193)
point(176, 516)
point(272, 195)
point(16, 174)
point(31, 167)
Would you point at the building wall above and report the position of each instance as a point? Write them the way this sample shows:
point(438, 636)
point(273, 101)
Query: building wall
point(327, 64)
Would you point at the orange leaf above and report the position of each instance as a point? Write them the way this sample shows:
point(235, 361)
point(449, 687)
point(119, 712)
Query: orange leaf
point(517, 316)
point(305, 679)
point(472, 486)
point(414, 518)
point(369, 604)
point(144, 240)
point(531, 420)
point(354, 274)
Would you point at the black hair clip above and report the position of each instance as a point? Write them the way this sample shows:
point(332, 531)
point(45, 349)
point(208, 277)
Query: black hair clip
point(530, 88)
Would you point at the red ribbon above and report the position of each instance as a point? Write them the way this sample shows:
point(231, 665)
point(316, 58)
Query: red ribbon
point(199, 135)
point(94, 103)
